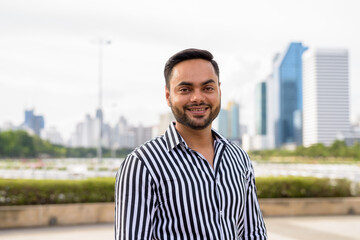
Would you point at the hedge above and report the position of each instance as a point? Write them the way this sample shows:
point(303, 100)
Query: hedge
point(302, 187)
point(32, 192)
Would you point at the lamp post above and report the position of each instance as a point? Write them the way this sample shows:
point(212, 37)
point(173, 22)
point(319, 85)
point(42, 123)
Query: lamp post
point(99, 113)
point(113, 145)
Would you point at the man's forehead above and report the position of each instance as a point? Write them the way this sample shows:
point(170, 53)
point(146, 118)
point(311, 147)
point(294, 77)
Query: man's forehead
point(193, 67)
point(193, 63)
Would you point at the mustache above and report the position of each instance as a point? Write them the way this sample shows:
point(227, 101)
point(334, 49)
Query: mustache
point(197, 105)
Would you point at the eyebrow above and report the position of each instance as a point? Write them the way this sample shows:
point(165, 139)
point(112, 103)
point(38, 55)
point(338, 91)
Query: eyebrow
point(190, 84)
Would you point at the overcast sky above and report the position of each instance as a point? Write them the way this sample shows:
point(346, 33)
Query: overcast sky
point(49, 56)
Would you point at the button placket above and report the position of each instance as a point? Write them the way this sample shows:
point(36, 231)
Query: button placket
point(218, 196)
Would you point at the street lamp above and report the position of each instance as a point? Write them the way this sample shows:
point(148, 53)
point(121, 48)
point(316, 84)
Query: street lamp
point(99, 113)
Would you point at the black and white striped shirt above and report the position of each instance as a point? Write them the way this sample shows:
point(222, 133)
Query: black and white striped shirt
point(165, 190)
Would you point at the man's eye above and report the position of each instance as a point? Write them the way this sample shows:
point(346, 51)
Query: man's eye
point(209, 88)
point(183, 90)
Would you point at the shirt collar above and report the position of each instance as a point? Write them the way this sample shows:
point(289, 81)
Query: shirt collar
point(174, 139)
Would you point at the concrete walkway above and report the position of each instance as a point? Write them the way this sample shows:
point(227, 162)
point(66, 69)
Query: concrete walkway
point(309, 228)
point(279, 228)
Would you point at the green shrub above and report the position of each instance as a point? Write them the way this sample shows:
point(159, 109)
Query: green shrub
point(29, 192)
point(301, 187)
point(32, 192)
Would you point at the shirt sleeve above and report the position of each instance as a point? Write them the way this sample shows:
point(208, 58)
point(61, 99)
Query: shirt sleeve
point(135, 201)
point(254, 222)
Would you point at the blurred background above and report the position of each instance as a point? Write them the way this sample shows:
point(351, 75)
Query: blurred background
point(81, 83)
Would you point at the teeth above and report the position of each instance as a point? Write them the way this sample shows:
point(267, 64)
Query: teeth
point(197, 110)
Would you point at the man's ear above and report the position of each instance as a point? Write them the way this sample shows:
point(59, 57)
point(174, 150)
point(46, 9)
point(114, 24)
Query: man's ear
point(220, 88)
point(167, 95)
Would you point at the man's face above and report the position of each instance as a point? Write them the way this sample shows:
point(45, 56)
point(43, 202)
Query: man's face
point(194, 94)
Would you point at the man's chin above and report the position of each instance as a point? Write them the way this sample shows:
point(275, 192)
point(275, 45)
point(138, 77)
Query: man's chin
point(198, 124)
point(194, 117)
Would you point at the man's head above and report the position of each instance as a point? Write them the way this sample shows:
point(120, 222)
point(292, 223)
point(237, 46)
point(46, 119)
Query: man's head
point(188, 54)
point(192, 88)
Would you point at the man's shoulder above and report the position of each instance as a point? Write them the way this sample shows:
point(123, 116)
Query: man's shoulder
point(233, 144)
point(145, 150)
point(141, 157)
point(151, 155)
point(238, 152)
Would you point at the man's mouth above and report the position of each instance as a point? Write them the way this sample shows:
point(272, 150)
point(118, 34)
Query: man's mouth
point(198, 109)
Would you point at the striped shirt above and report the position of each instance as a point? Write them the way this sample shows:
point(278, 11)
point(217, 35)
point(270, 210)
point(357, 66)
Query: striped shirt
point(165, 190)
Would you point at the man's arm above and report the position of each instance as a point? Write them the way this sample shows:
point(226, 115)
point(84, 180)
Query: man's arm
point(134, 201)
point(254, 223)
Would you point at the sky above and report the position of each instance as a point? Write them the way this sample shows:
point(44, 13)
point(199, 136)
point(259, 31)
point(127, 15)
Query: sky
point(49, 52)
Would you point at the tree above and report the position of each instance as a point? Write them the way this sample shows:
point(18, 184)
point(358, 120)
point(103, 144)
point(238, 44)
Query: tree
point(338, 149)
point(17, 144)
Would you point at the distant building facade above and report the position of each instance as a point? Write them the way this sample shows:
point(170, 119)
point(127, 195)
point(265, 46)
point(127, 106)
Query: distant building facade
point(33, 122)
point(122, 135)
point(351, 137)
point(284, 95)
point(223, 122)
point(142, 134)
point(326, 95)
point(86, 133)
point(228, 121)
point(234, 114)
point(260, 109)
point(164, 122)
point(52, 135)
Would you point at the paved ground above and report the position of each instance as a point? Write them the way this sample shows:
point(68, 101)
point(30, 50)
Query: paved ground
point(309, 228)
point(284, 228)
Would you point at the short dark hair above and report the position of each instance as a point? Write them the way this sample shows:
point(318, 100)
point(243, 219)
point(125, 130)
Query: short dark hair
point(188, 54)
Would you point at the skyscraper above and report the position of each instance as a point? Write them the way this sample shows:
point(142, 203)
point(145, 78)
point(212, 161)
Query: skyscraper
point(164, 121)
point(233, 110)
point(34, 122)
point(87, 132)
point(228, 121)
point(285, 95)
point(260, 108)
point(223, 122)
point(326, 95)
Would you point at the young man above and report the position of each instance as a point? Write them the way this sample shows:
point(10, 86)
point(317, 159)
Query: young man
point(190, 183)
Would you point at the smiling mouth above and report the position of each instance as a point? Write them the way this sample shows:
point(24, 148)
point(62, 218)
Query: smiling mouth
point(198, 109)
point(195, 110)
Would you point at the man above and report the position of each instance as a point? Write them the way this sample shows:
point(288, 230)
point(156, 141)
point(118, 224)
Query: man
point(190, 183)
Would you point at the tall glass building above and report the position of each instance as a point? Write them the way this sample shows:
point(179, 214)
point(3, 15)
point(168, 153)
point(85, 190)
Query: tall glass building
point(287, 95)
point(233, 110)
point(36, 123)
point(260, 108)
point(223, 122)
point(228, 121)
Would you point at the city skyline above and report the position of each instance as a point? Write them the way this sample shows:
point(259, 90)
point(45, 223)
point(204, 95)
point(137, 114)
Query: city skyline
point(49, 57)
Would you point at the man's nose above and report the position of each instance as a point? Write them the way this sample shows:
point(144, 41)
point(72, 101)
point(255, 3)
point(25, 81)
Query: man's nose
point(197, 96)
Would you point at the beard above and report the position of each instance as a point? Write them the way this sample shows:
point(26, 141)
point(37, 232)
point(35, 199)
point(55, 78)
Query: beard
point(184, 119)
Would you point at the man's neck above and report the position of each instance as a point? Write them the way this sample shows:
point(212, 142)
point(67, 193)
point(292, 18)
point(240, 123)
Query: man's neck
point(195, 138)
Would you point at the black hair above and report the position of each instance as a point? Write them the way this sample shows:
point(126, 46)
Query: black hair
point(188, 54)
